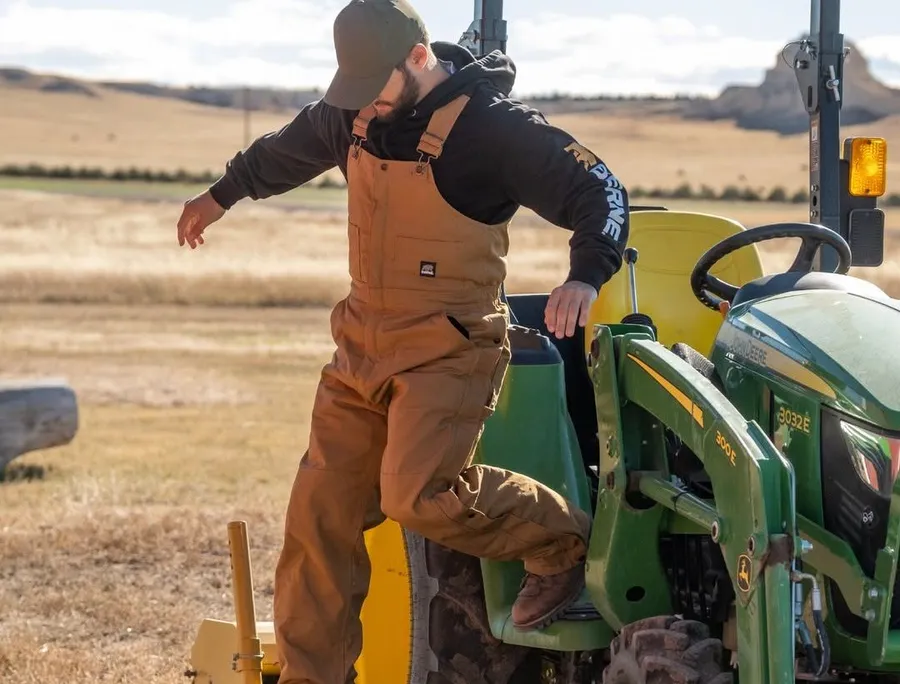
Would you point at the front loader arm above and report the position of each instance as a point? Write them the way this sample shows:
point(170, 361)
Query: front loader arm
point(640, 382)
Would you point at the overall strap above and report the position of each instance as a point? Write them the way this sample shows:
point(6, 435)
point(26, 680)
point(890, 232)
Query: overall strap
point(361, 127)
point(431, 143)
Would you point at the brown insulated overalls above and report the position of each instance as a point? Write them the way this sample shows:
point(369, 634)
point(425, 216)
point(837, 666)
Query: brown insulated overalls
point(399, 408)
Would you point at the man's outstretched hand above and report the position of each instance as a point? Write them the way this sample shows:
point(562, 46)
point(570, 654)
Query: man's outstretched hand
point(198, 213)
point(568, 306)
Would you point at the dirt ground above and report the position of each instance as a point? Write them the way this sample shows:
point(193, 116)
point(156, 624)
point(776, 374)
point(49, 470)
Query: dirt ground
point(194, 393)
point(189, 418)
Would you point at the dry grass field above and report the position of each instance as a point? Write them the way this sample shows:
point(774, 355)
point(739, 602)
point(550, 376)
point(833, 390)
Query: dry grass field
point(114, 547)
point(195, 370)
point(188, 419)
point(56, 247)
point(116, 130)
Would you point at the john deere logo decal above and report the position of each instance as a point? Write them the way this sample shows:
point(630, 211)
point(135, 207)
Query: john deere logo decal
point(743, 572)
point(583, 155)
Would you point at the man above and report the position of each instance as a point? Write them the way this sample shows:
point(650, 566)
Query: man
point(437, 160)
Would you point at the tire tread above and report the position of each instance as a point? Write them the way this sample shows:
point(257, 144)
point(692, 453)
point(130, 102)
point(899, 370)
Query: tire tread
point(666, 650)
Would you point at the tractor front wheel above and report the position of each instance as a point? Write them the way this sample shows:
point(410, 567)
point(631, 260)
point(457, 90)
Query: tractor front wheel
point(666, 650)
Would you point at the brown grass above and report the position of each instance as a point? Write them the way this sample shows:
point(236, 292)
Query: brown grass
point(188, 419)
point(666, 151)
point(59, 248)
point(123, 130)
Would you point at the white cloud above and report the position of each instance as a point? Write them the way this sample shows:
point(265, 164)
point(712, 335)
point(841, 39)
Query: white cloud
point(630, 53)
point(147, 44)
point(881, 47)
point(887, 49)
point(243, 23)
point(289, 43)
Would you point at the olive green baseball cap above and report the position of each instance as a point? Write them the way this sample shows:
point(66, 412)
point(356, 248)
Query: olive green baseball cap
point(370, 38)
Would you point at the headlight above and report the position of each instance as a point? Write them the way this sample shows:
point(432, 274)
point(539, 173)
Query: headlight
point(875, 457)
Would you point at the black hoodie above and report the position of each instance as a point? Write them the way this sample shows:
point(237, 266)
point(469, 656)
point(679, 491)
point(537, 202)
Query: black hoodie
point(500, 155)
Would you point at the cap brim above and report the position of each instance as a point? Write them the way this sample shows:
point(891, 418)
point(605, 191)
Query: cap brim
point(347, 92)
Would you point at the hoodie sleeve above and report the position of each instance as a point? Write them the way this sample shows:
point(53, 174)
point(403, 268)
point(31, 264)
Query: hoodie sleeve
point(281, 160)
point(545, 169)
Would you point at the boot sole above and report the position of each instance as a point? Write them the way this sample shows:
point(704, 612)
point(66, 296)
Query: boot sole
point(547, 619)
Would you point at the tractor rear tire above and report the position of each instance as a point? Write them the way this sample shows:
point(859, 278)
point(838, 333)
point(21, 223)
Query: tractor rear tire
point(451, 638)
point(666, 650)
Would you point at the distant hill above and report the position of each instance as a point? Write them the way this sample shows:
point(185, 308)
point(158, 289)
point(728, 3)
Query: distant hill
point(258, 99)
point(281, 100)
point(776, 103)
point(773, 105)
point(22, 78)
point(270, 99)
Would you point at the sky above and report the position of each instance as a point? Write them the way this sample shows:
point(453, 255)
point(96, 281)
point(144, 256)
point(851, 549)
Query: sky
point(583, 47)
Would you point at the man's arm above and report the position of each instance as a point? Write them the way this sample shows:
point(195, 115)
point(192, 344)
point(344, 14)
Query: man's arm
point(272, 164)
point(545, 169)
point(281, 160)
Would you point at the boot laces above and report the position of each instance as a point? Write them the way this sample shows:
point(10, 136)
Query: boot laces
point(531, 581)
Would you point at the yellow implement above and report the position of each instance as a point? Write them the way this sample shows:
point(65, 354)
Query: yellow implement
point(249, 661)
point(386, 617)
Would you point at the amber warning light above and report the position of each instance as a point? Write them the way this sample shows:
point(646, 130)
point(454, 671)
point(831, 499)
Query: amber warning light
point(867, 158)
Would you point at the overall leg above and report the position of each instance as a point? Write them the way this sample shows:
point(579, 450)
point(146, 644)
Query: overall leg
point(322, 575)
point(435, 418)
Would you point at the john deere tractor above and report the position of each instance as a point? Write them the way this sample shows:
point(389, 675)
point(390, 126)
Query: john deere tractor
point(735, 434)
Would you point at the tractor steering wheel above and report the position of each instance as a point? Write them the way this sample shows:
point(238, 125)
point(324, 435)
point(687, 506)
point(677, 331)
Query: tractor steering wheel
point(711, 291)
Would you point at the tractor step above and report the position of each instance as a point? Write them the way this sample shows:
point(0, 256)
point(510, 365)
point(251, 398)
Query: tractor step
point(581, 610)
point(579, 628)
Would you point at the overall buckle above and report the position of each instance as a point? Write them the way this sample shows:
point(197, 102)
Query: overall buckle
point(424, 160)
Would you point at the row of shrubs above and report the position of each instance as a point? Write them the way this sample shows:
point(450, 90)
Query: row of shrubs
point(126, 174)
point(730, 193)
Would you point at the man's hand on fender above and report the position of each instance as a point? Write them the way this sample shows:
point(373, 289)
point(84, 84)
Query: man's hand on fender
point(569, 304)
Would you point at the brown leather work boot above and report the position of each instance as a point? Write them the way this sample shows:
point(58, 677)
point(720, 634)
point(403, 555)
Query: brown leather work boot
point(543, 598)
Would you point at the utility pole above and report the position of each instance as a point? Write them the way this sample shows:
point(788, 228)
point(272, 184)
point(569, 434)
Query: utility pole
point(246, 117)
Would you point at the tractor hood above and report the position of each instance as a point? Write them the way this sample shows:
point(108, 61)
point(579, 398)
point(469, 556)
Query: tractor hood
point(839, 345)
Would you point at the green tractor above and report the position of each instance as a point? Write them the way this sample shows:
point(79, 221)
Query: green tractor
point(733, 433)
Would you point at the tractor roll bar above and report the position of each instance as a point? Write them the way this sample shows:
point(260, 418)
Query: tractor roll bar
point(488, 31)
point(819, 68)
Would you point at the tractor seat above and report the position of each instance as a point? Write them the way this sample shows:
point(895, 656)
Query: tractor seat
point(780, 283)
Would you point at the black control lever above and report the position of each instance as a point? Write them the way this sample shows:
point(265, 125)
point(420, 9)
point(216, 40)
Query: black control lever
point(630, 256)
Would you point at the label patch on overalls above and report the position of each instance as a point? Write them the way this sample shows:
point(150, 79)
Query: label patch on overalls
point(427, 269)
